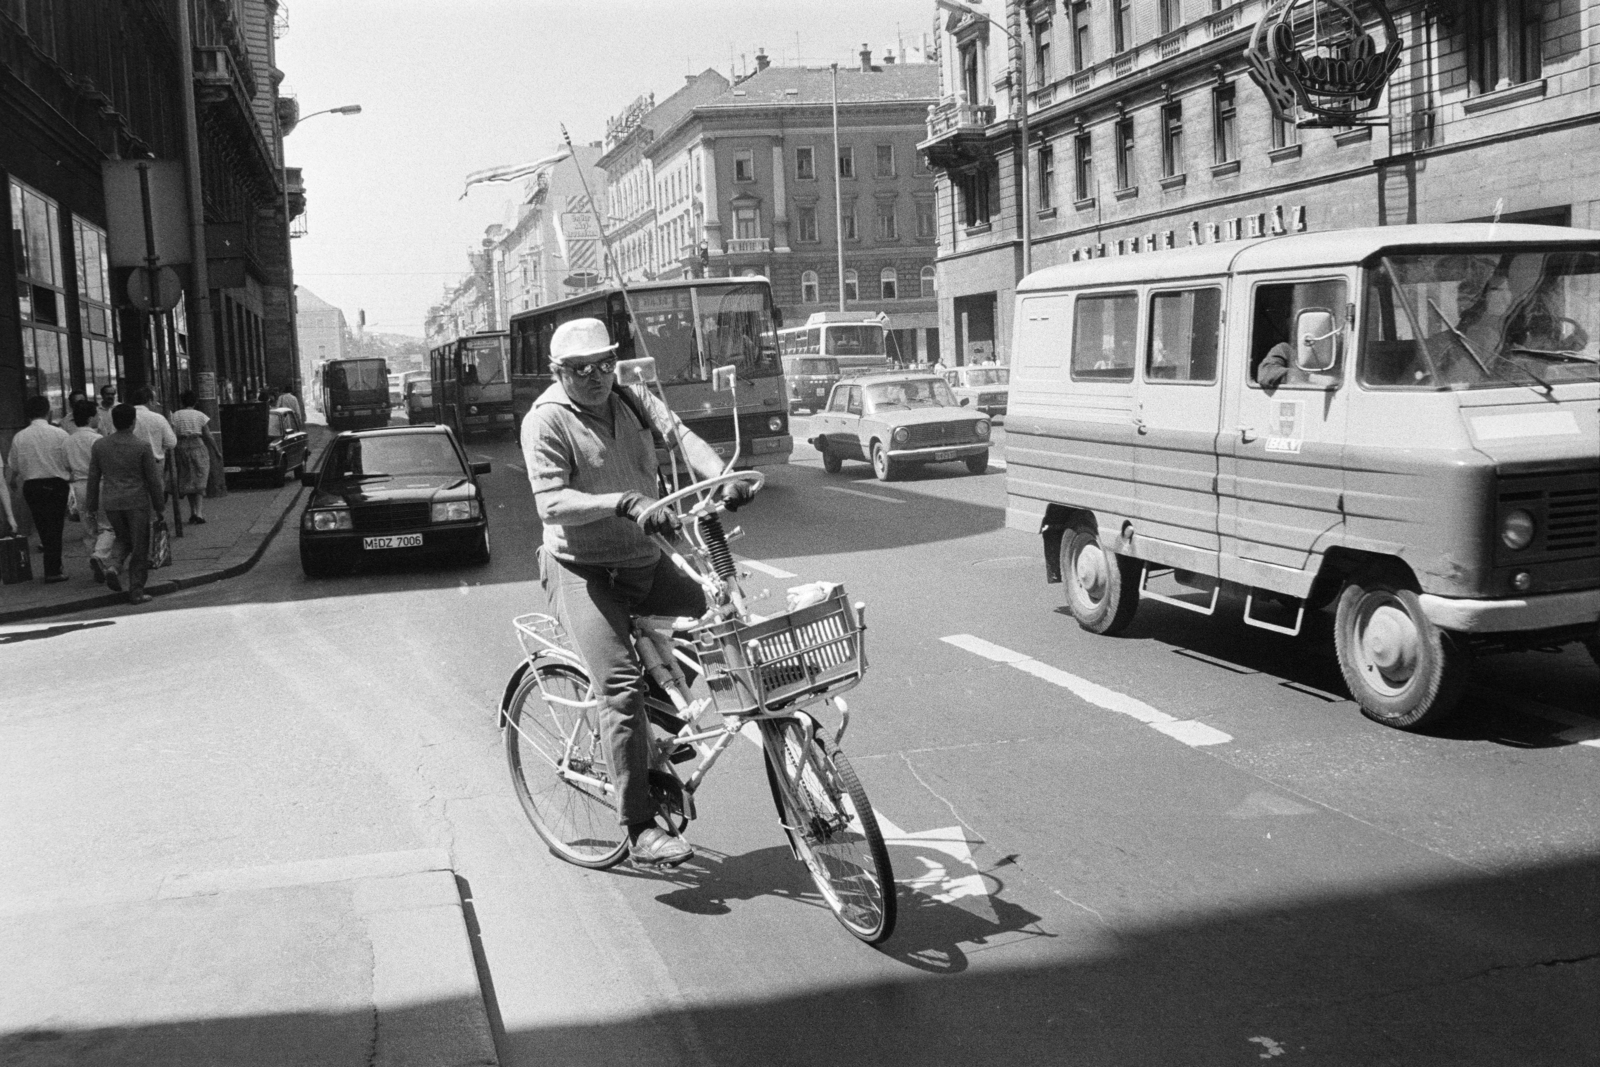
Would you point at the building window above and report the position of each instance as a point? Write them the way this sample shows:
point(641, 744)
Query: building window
point(1083, 167)
point(1171, 14)
point(970, 81)
point(888, 284)
point(1504, 40)
point(1044, 74)
point(805, 220)
point(975, 197)
point(1127, 177)
point(929, 281)
point(1078, 15)
point(1284, 132)
point(885, 160)
point(1224, 135)
point(96, 320)
point(887, 230)
point(1047, 177)
point(1171, 140)
point(41, 295)
point(927, 219)
point(805, 164)
point(1121, 25)
point(808, 287)
point(744, 166)
point(746, 223)
point(847, 222)
point(847, 162)
point(850, 291)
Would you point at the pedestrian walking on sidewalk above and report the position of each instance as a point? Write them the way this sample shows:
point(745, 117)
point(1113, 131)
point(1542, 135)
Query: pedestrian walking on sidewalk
point(125, 481)
point(70, 422)
point(39, 461)
point(287, 399)
point(152, 426)
point(196, 448)
point(79, 444)
point(102, 414)
point(5, 499)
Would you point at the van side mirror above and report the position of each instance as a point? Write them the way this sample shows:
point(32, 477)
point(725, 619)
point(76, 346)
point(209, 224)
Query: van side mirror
point(640, 371)
point(1317, 340)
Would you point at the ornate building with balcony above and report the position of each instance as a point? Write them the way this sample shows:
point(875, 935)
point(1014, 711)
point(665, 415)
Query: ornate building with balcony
point(744, 186)
point(84, 84)
point(1146, 132)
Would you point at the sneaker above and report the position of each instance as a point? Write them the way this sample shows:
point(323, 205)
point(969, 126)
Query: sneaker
point(140, 598)
point(113, 583)
point(98, 570)
point(657, 848)
point(55, 578)
point(195, 520)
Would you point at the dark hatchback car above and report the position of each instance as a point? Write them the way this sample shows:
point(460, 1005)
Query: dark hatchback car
point(393, 494)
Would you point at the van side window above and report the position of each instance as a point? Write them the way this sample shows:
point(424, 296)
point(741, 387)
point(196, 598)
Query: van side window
point(1184, 331)
point(1272, 323)
point(1105, 330)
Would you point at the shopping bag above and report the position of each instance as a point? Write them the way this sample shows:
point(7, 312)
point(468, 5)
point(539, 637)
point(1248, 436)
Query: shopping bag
point(16, 565)
point(160, 544)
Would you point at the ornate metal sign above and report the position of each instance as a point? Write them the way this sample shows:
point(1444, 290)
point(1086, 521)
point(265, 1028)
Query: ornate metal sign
point(1319, 58)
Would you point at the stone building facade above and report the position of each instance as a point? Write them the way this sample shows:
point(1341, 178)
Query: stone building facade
point(1146, 133)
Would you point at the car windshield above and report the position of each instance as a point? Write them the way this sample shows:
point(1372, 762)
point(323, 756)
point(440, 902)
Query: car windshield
point(849, 340)
point(396, 456)
point(909, 394)
point(987, 376)
point(1482, 320)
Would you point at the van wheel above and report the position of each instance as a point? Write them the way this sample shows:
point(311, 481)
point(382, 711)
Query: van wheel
point(830, 459)
point(1100, 584)
point(1403, 670)
point(883, 468)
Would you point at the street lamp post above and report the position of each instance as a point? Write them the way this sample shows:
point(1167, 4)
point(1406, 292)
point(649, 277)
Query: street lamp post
point(969, 7)
point(288, 227)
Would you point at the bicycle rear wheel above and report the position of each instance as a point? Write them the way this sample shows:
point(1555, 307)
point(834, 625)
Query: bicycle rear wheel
point(557, 756)
point(831, 824)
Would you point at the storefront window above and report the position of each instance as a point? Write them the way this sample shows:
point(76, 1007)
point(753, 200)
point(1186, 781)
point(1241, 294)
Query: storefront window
point(97, 323)
point(41, 296)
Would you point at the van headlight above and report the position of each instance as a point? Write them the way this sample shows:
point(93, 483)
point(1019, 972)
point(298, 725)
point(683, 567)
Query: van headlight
point(1516, 530)
point(454, 510)
point(472, 409)
point(983, 429)
point(324, 519)
point(775, 424)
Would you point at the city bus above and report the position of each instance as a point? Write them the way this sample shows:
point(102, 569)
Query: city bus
point(472, 391)
point(355, 393)
point(831, 345)
point(690, 327)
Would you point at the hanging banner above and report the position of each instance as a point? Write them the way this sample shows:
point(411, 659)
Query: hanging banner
point(1319, 63)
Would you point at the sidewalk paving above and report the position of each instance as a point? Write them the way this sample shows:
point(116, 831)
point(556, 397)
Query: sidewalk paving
point(237, 530)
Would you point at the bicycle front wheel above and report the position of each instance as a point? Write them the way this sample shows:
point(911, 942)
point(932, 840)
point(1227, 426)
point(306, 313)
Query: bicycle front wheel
point(557, 754)
point(833, 829)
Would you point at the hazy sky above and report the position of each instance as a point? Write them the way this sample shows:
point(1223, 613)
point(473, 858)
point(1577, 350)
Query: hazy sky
point(451, 86)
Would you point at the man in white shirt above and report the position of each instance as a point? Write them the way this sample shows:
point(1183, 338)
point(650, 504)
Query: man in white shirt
point(151, 428)
point(97, 534)
point(38, 460)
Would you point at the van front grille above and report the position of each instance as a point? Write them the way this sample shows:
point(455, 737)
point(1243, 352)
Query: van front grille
point(1565, 510)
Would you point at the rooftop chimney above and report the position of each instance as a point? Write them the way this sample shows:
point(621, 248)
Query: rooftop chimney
point(888, 58)
point(866, 58)
point(762, 61)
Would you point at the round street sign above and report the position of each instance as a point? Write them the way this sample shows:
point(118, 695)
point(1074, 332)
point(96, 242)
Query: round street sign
point(168, 289)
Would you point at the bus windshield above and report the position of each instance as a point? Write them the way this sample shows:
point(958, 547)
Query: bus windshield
point(852, 340)
point(483, 363)
point(816, 366)
point(358, 375)
point(1482, 320)
point(736, 328)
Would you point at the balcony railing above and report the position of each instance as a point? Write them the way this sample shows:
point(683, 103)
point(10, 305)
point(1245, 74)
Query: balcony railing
point(737, 245)
point(955, 114)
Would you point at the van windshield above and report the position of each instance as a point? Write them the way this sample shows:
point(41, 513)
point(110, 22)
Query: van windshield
point(1482, 320)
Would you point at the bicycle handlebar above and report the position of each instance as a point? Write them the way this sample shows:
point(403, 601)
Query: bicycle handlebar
point(755, 477)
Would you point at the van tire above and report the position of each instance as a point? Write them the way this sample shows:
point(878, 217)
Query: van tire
point(1401, 669)
point(830, 459)
point(1100, 585)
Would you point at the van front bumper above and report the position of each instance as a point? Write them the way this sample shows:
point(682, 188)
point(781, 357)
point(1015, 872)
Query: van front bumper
point(1545, 612)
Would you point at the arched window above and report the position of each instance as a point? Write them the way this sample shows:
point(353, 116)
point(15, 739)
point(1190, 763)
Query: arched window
point(850, 291)
point(889, 284)
point(928, 287)
point(808, 287)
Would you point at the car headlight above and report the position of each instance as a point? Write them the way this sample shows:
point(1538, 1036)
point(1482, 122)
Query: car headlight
point(454, 510)
point(900, 436)
point(983, 428)
point(328, 519)
point(1516, 530)
point(775, 424)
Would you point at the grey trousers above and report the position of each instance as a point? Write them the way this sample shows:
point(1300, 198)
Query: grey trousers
point(595, 605)
point(132, 529)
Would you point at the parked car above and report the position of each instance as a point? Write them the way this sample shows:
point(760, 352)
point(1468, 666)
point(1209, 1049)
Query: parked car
point(986, 385)
point(401, 492)
point(419, 402)
point(899, 420)
point(264, 441)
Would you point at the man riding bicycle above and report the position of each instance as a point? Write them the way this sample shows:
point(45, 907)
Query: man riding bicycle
point(591, 457)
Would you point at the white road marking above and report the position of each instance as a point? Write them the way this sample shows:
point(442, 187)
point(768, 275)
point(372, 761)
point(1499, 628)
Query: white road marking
point(936, 880)
point(519, 468)
point(1190, 732)
point(763, 568)
point(869, 496)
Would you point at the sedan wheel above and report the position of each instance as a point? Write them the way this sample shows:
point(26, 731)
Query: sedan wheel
point(480, 554)
point(883, 468)
point(830, 459)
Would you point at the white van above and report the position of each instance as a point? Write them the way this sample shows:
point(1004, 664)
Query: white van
point(1401, 422)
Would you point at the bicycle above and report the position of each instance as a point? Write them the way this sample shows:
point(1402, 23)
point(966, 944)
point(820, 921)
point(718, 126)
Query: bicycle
point(746, 669)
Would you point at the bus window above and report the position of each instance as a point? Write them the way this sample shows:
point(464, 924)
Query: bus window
point(736, 328)
point(482, 364)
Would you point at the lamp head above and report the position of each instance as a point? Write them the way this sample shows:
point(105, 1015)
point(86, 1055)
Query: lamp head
point(348, 109)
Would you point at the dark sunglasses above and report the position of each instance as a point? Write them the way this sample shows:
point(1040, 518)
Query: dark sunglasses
point(584, 370)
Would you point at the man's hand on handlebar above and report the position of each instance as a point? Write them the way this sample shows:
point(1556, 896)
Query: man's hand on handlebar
point(734, 495)
point(664, 521)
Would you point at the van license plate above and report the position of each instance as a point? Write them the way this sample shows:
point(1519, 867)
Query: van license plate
point(397, 541)
point(940, 457)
